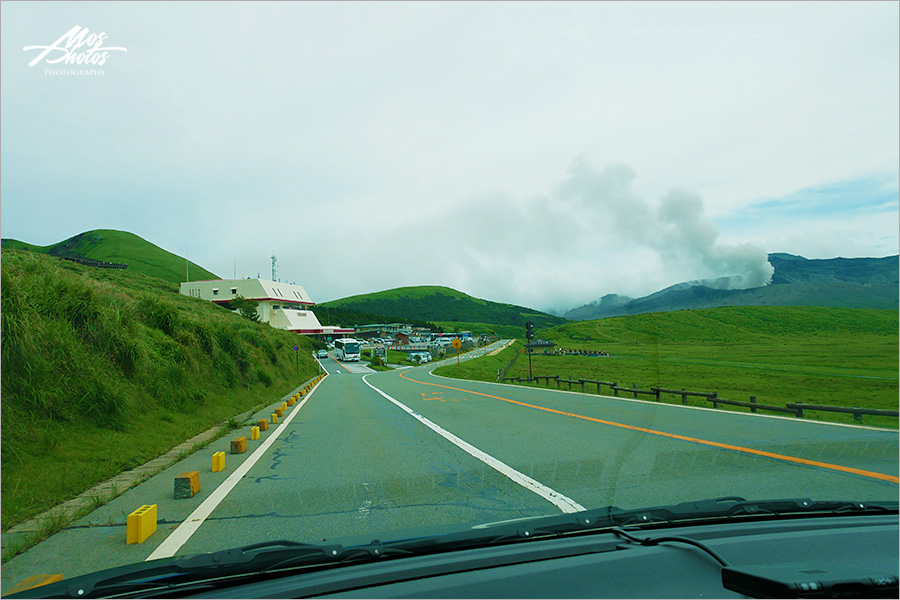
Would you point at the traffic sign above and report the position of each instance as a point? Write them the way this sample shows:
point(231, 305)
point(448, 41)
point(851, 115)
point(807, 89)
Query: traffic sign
point(456, 343)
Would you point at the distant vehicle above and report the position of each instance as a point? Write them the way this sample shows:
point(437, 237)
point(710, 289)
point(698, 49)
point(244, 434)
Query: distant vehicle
point(330, 346)
point(423, 357)
point(347, 349)
point(322, 354)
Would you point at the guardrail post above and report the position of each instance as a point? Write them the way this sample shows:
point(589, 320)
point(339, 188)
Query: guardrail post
point(635, 391)
point(582, 384)
point(683, 396)
point(598, 386)
point(857, 416)
point(714, 396)
point(657, 394)
point(557, 382)
point(615, 388)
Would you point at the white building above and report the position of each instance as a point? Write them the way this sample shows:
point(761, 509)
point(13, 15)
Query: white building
point(281, 305)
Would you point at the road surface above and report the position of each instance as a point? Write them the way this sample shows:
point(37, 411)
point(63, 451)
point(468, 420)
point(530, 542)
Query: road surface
point(373, 452)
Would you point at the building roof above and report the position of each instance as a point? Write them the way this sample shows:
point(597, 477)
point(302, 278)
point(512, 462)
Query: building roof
point(256, 289)
point(302, 321)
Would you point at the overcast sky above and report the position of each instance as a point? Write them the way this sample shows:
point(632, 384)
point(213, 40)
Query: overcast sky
point(542, 154)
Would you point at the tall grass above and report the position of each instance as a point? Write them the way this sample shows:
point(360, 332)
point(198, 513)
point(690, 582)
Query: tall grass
point(108, 369)
point(816, 355)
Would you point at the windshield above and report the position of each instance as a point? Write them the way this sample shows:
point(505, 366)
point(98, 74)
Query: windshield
point(621, 254)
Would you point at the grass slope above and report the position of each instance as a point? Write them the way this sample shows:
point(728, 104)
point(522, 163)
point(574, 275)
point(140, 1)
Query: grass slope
point(817, 355)
point(107, 369)
point(442, 304)
point(121, 247)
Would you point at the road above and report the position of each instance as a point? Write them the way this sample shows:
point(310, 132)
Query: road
point(372, 452)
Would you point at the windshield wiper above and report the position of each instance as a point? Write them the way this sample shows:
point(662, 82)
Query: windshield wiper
point(714, 509)
point(170, 574)
point(730, 507)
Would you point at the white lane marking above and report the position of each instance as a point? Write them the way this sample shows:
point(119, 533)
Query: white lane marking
point(563, 503)
point(183, 533)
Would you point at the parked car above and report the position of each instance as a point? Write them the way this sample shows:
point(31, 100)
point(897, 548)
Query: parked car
point(423, 357)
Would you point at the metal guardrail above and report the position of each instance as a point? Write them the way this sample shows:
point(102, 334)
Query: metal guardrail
point(794, 408)
point(856, 411)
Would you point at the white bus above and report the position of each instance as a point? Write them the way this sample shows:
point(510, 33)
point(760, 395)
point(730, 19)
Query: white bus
point(347, 349)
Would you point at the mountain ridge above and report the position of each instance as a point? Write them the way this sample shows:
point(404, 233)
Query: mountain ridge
point(440, 303)
point(797, 281)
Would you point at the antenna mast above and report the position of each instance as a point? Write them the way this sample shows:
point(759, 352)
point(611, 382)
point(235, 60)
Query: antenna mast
point(274, 268)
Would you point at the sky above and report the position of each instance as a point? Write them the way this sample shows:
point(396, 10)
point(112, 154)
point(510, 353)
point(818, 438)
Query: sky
point(540, 154)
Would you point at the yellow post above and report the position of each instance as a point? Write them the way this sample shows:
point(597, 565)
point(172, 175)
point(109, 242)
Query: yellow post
point(254, 433)
point(274, 418)
point(239, 445)
point(218, 462)
point(140, 524)
point(263, 424)
point(187, 484)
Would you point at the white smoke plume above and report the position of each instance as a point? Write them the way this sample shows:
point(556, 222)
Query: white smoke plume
point(676, 230)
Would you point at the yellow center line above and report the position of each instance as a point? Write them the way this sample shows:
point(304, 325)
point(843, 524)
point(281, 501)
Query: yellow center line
point(784, 457)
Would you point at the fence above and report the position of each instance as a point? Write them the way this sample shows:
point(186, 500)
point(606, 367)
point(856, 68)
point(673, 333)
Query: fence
point(794, 408)
point(89, 262)
point(501, 373)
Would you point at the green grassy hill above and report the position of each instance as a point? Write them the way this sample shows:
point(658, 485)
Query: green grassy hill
point(106, 369)
point(121, 247)
point(817, 355)
point(442, 304)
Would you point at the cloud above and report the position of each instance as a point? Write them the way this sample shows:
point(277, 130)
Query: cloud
point(589, 235)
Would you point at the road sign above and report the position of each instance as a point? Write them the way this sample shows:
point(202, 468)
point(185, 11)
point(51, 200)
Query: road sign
point(456, 343)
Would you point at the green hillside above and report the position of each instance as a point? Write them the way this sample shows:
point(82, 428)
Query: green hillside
point(442, 304)
point(817, 355)
point(121, 247)
point(104, 369)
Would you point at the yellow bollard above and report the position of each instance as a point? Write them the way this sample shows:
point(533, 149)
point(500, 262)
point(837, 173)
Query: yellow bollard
point(187, 484)
point(279, 411)
point(274, 418)
point(254, 433)
point(218, 463)
point(140, 524)
point(284, 406)
point(263, 424)
point(239, 445)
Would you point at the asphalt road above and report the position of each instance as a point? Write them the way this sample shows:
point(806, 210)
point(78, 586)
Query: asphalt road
point(368, 453)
